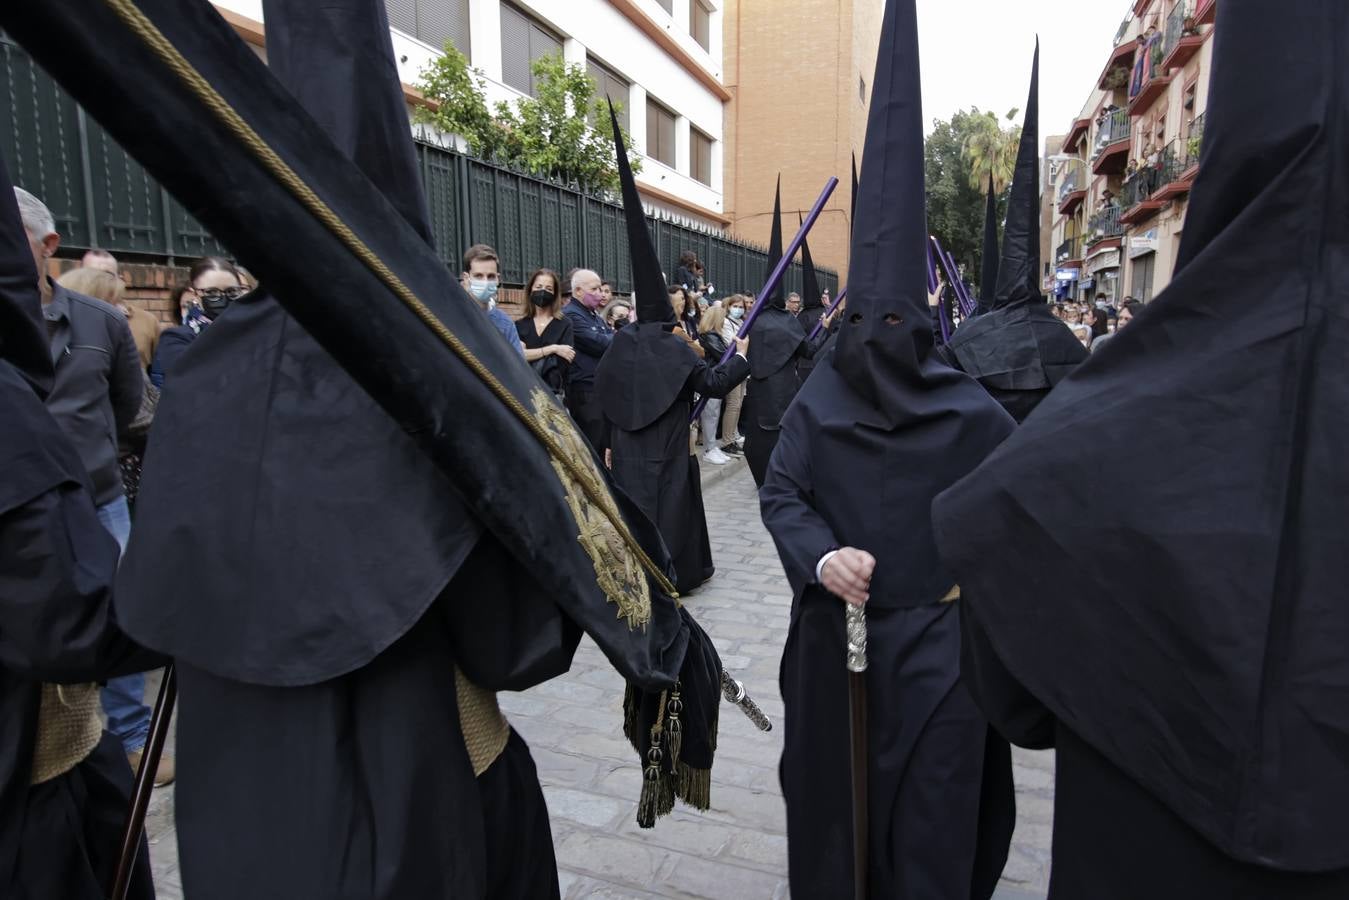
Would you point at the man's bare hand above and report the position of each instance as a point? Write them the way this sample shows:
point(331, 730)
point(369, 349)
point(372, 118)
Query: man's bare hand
point(848, 575)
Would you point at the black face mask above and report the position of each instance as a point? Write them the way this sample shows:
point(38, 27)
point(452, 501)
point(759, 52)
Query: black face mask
point(619, 323)
point(215, 301)
point(542, 298)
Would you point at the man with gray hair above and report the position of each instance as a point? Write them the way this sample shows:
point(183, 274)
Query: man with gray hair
point(593, 337)
point(94, 398)
point(793, 303)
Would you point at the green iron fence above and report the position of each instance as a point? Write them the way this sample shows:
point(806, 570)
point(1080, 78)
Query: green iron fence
point(100, 197)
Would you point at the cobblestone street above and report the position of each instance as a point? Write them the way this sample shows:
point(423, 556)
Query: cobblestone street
point(738, 849)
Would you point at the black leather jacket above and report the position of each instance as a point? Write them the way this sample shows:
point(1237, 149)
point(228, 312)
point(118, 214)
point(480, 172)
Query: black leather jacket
point(99, 382)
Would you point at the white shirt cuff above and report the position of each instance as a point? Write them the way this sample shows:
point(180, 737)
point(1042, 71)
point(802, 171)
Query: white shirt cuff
point(819, 566)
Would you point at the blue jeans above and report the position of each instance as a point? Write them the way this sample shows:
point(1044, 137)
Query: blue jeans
point(124, 698)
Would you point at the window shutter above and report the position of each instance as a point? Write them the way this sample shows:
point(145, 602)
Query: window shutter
point(515, 49)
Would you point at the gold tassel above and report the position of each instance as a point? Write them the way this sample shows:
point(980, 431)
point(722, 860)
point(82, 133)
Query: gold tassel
point(648, 806)
point(694, 786)
point(676, 727)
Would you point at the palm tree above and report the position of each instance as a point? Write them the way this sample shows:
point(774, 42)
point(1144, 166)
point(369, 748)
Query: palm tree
point(991, 151)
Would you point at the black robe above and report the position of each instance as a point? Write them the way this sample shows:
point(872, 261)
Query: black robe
point(776, 345)
point(934, 773)
point(59, 838)
point(808, 317)
point(651, 459)
point(1018, 353)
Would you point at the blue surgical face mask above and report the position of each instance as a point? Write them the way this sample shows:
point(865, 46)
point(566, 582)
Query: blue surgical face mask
point(736, 312)
point(483, 291)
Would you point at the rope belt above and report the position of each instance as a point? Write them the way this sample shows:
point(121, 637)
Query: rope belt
point(485, 728)
point(952, 594)
point(68, 729)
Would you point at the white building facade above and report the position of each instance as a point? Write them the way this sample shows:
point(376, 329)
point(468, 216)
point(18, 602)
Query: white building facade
point(660, 58)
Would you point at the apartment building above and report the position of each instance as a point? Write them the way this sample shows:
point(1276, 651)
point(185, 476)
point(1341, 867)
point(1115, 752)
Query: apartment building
point(1123, 178)
point(799, 73)
point(660, 58)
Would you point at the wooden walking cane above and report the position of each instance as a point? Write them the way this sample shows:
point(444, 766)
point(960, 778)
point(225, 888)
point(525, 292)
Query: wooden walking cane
point(856, 625)
point(145, 783)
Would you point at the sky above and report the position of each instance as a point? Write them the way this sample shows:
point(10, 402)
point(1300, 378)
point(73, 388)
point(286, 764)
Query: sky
point(978, 53)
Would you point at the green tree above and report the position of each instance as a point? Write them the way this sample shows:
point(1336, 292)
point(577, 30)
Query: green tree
point(562, 132)
point(991, 149)
point(955, 206)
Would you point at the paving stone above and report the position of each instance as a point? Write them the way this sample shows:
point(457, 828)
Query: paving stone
point(584, 807)
point(715, 879)
point(618, 861)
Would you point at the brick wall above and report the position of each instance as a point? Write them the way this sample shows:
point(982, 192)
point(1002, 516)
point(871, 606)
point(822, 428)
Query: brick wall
point(147, 285)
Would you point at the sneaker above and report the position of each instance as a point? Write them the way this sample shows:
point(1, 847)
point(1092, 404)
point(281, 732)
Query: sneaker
point(733, 449)
point(716, 457)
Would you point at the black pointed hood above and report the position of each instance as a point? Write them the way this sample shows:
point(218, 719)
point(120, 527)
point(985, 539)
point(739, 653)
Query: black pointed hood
point(778, 299)
point(1206, 573)
point(988, 270)
point(644, 370)
point(653, 300)
point(810, 282)
point(885, 341)
point(23, 333)
point(336, 58)
point(1019, 269)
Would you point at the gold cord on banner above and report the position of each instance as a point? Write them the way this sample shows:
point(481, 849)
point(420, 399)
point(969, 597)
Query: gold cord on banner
point(581, 472)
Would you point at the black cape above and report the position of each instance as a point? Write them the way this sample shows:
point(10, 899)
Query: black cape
point(1183, 616)
point(651, 459)
point(776, 345)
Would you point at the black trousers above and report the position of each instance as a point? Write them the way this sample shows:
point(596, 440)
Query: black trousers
point(584, 406)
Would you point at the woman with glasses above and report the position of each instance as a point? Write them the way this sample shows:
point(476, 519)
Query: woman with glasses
point(213, 283)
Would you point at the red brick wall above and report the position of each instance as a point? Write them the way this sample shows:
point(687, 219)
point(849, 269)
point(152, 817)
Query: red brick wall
point(147, 286)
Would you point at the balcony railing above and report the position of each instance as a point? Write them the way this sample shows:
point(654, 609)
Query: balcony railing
point(1072, 181)
point(1115, 127)
point(1175, 26)
point(1194, 141)
point(1104, 225)
point(1069, 249)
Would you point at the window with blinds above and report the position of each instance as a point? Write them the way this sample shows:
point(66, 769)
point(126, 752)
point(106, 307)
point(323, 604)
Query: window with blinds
point(612, 85)
point(700, 157)
point(437, 22)
point(523, 40)
point(660, 133)
point(700, 24)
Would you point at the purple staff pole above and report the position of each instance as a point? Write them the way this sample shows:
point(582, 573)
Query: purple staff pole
point(827, 313)
point(775, 278)
point(967, 303)
point(951, 274)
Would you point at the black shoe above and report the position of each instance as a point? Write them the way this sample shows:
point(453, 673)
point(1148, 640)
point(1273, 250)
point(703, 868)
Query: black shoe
point(733, 449)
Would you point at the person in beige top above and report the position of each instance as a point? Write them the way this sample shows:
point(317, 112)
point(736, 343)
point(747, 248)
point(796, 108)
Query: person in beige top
point(145, 325)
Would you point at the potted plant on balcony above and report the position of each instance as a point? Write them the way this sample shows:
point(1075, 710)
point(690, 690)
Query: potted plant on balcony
point(1192, 148)
point(1188, 28)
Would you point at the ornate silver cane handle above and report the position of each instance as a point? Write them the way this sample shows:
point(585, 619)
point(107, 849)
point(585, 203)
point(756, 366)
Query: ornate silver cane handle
point(856, 623)
point(734, 692)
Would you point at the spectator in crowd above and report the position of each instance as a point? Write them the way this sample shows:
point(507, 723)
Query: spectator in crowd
point(736, 308)
point(714, 343)
point(793, 303)
point(617, 314)
point(607, 290)
point(481, 278)
point(1100, 322)
point(686, 275)
point(687, 313)
point(97, 392)
point(546, 332)
point(1083, 334)
point(144, 325)
point(1127, 311)
point(213, 283)
point(593, 336)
